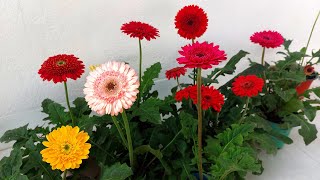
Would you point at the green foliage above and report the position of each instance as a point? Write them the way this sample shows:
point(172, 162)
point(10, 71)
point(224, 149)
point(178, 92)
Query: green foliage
point(81, 107)
point(285, 95)
point(15, 134)
point(116, 172)
point(149, 111)
point(56, 112)
point(189, 125)
point(148, 78)
point(10, 166)
point(264, 141)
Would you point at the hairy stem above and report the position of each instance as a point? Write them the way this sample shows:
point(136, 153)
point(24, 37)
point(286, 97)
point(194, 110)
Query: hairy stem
point(116, 123)
point(140, 71)
point(68, 103)
point(199, 124)
point(65, 174)
point(127, 127)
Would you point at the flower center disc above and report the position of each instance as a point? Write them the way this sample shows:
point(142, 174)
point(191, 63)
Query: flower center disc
point(66, 148)
point(190, 22)
point(267, 38)
point(247, 85)
point(61, 63)
point(200, 55)
point(111, 86)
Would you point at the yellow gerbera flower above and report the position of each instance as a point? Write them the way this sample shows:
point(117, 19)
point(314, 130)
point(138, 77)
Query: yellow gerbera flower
point(66, 147)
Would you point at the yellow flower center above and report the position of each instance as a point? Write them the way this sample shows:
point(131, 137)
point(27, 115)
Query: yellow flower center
point(66, 148)
point(61, 63)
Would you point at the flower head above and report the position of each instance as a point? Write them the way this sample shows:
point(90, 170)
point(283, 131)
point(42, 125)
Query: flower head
point(201, 55)
point(61, 67)
point(175, 72)
point(308, 70)
point(267, 39)
point(140, 30)
point(65, 148)
point(247, 86)
point(210, 97)
point(191, 22)
point(111, 87)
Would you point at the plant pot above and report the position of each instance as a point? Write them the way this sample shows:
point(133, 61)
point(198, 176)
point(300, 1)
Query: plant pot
point(276, 127)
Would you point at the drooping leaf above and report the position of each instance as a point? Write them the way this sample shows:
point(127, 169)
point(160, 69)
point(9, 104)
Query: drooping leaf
point(265, 142)
point(259, 122)
point(286, 95)
point(15, 134)
point(280, 136)
point(293, 105)
point(309, 111)
point(149, 111)
point(148, 77)
point(116, 172)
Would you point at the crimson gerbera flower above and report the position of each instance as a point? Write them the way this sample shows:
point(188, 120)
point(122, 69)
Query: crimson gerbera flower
point(308, 70)
point(210, 97)
point(201, 55)
point(247, 86)
point(140, 30)
point(61, 67)
point(191, 22)
point(175, 72)
point(267, 39)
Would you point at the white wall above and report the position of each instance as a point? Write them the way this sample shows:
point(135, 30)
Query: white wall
point(32, 30)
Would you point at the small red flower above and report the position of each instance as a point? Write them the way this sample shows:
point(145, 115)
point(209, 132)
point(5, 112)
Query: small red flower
point(302, 87)
point(247, 86)
point(267, 39)
point(210, 97)
point(308, 70)
point(175, 72)
point(140, 30)
point(191, 22)
point(61, 67)
point(201, 55)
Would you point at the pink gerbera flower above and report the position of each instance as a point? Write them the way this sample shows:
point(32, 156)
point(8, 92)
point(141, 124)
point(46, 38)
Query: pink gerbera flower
point(201, 55)
point(111, 87)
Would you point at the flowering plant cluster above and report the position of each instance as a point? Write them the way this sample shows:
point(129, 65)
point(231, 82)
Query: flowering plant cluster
point(121, 129)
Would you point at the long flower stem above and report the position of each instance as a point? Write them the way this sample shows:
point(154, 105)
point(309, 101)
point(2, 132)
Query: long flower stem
point(68, 103)
point(314, 25)
point(127, 127)
point(194, 69)
point(263, 63)
point(199, 123)
point(178, 83)
point(116, 123)
point(140, 70)
point(245, 110)
point(65, 174)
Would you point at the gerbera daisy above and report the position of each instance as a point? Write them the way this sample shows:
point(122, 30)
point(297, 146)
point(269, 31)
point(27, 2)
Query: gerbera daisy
point(308, 70)
point(191, 22)
point(186, 93)
point(267, 39)
point(175, 72)
point(140, 30)
point(111, 87)
point(247, 86)
point(65, 148)
point(61, 67)
point(201, 55)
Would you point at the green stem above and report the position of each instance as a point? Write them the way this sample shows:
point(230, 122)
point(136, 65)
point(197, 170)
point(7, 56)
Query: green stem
point(68, 103)
point(314, 24)
point(194, 69)
point(245, 110)
point(127, 127)
point(178, 84)
point(263, 63)
point(174, 138)
point(140, 71)
point(199, 124)
point(116, 123)
point(65, 174)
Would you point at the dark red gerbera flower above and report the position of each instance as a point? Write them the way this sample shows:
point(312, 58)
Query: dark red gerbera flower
point(210, 97)
point(140, 30)
point(201, 55)
point(60, 67)
point(302, 87)
point(308, 70)
point(191, 22)
point(267, 39)
point(175, 72)
point(247, 86)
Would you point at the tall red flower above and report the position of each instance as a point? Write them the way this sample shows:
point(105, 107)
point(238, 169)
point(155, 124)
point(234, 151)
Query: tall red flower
point(302, 87)
point(267, 39)
point(140, 30)
point(210, 97)
point(191, 22)
point(61, 67)
point(175, 72)
point(201, 55)
point(247, 86)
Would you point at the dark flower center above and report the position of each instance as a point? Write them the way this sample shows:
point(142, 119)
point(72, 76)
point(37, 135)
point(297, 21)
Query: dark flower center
point(190, 22)
point(247, 85)
point(61, 63)
point(200, 55)
point(66, 147)
point(111, 86)
point(310, 70)
point(207, 98)
point(266, 38)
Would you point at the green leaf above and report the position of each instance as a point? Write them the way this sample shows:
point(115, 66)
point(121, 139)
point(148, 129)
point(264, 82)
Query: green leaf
point(148, 78)
point(307, 131)
point(286, 44)
point(235, 134)
point(259, 122)
point(15, 134)
point(189, 125)
point(309, 111)
point(316, 91)
point(285, 95)
point(10, 166)
point(81, 107)
point(293, 105)
point(57, 115)
point(280, 137)
point(116, 172)
point(45, 105)
point(265, 141)
point(149, 111)
point(147, 148)
point(316, 54)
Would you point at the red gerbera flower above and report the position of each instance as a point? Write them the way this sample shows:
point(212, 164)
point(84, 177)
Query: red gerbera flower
point(201, 55)
point(308, 70)
point(60, 67)
point(248, 86)
point(191, 22)
point(140, 30)
point(302, 87)
point(175, 72)
point(268, 39)
point(210, 97)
